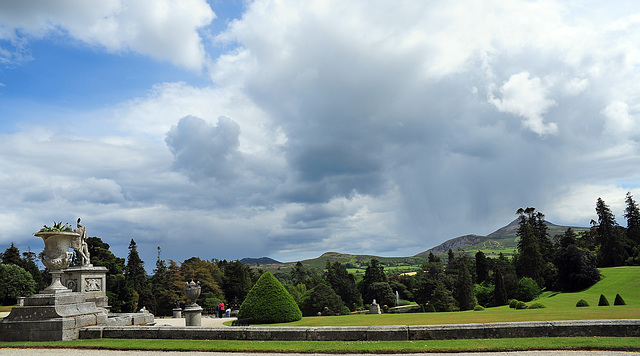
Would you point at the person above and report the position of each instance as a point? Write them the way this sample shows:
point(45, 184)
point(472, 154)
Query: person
point(228, 312)
point(220, 309)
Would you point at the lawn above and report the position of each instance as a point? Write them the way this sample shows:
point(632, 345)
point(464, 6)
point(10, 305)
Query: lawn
point(560, 306)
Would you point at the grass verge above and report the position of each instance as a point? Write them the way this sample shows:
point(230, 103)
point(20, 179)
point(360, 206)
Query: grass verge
point(487, 345)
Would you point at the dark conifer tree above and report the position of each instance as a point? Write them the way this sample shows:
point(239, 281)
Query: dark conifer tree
point(632, 214)
point(11, 256)
point(611, 251)
point(500, 292)
point(463, 292)
point(482, 267)
point(344, 284)
point(136, 280)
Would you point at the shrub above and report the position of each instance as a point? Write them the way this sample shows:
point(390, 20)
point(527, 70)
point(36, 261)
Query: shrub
point(321, 298)
point(478, 308)
point(513, 303)
point(16, 282)
point(521, 305)
point(345, 310)
point(603, 302)
point(527, 289)
point(619, 300)
point(269, 302)
point(582, 303)
point(537, 305)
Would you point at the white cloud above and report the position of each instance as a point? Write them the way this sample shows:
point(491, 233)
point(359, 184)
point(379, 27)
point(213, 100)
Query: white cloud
point(165, 30)
point(526, 97)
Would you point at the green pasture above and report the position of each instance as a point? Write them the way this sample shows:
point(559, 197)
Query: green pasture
point(560, 306)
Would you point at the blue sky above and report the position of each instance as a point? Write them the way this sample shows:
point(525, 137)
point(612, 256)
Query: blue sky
point(231, 129)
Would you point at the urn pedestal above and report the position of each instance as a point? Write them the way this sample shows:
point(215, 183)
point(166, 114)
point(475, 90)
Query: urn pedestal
point(57, 257)
point(192, 312)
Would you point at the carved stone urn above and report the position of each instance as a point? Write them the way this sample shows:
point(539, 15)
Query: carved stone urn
point(192, 290)
point(57, 256)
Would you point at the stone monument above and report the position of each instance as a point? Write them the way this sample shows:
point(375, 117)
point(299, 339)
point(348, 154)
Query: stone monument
point(192, 312)
point(85, 278)
point(55, 313)
point(75, 298)
point(374, 308)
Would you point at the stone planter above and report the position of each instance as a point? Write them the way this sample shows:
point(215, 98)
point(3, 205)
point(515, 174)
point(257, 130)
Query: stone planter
point(57, 256)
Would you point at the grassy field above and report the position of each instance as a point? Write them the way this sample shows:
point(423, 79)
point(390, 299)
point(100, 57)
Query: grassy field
point(574, 343)
point(560, 306)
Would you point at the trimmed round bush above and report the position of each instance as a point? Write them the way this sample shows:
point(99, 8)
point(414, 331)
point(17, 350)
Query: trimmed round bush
point(478, 308)
point(603, 302)
point(269, 302)
point(537, 305)
point(527, 289)
point(521, 305)
point(513, 303)
point(619, 300)
point(582, 303)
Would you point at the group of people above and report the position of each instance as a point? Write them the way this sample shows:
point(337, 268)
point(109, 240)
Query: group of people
point(220, 311)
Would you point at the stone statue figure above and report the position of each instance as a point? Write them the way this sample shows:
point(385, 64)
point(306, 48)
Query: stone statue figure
point(79, 244)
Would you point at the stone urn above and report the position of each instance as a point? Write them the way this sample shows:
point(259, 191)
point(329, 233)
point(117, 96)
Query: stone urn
point(192, 290)
point(57, 256)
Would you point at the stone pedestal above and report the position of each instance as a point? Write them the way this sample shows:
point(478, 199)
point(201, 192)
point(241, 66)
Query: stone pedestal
point(177, 313)
point(51, 316)
point(90, 280)
point(193, 315)
point(374, 309)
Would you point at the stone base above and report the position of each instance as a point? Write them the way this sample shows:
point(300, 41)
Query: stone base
point(374, 309)
point(193, 316)
point(177, 313)
point(50, 317)
point(89, 280)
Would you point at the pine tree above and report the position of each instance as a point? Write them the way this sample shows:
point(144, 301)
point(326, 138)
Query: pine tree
point(373, 274)
point(632, 214)
point(344, 284)
point(161, 287)
point(11, 256)
point(463, 292)
point(482, 267)
point(611, 250)
point(136, 281)
point(236, 281)
point(529, 262)
point(500, 292)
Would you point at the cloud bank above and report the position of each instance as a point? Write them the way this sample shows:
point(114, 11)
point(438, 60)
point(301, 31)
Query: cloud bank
point(379, 128)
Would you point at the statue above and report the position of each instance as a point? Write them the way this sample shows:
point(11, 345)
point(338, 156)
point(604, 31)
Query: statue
point(79, 244)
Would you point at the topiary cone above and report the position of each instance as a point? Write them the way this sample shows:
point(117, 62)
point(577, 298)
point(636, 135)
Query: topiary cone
point(269, 302)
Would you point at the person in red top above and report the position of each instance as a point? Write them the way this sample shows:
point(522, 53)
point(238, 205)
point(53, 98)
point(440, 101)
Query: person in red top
point(221, 310)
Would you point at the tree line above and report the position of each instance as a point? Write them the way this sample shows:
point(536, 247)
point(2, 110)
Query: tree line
point(457, 281)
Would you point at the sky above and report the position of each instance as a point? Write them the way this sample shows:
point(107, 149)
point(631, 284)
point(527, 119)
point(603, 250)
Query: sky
point(237, 128)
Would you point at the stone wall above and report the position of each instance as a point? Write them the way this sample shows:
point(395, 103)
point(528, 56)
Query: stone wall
point(628, 328)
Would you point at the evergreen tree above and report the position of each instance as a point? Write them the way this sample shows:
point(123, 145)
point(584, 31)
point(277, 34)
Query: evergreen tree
point(298, 274)
point(482, 268)
point(28, 262)
point(499, 293)
point(427, 280)
point(321, 299)
point(442, 300)
point(11, 256)
point(373, 274)
point(237, 280)
point(632, 214)
point(207, 273)
point(161, 288)
point(530, 261)
point(136, 280)
point(611, 251)
point(463, 292)
point(344, 284)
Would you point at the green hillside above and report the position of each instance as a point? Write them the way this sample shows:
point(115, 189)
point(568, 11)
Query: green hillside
point(502, 240)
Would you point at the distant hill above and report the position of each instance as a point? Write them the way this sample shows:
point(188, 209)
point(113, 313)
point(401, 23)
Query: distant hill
point(261, 261)
point(502, 240)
